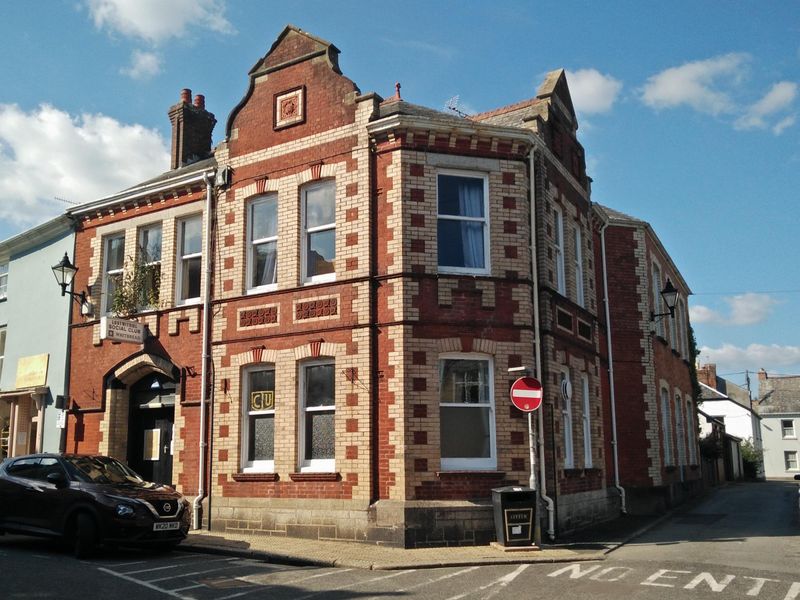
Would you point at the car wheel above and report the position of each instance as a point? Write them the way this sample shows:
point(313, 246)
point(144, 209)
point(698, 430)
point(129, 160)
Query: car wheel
point(85, 536)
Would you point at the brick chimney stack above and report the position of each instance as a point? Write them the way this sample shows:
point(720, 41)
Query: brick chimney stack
point(192, 125)
point(707, 374)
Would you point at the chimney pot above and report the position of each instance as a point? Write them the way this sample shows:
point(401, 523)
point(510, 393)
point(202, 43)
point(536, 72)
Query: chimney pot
point(200, 101)
point(186, 96)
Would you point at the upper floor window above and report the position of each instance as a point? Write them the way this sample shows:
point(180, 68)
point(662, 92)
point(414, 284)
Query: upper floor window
point(666, 426)
point(558, 243)
point(657, 308)
point(2, 347)
point(566, 420)
point(319, 232)
point(466, 412)
point(587, 422)
point(673, 330)
point(258, 415)
point(787, 429)
point(190, 248)
point(691, 433)
point(262, 223)
point(578, 250)
point(150, 264)
point(3, 281)
point(680, 438)
point(317, 416)
point(113, 265)
point(463, 223)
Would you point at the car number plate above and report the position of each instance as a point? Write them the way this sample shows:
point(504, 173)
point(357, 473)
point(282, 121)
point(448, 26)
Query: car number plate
point(166, 526)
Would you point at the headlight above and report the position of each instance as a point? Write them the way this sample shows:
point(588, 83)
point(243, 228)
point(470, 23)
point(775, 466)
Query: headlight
point(124, 510)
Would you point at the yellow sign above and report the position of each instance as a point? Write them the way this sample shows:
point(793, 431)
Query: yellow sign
point(262, 401)
point(32, 371)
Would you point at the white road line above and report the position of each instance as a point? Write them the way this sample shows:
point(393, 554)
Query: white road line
point(504, 581)
point(501, 582)
point(438, 579)
point(189, 587)
point(203, 572)
point(176, 566)
point(357, 583)
point(145, 584)
point(251, 578)
point(144, 562)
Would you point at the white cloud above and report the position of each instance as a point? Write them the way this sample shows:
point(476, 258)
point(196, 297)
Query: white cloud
point(144, 65)
point(156, 20)
point(733, 358)
point(778, 98)
point(744, 309)
point(593, 92)
point(701, 85)
point(47, 153)
point(783, 124)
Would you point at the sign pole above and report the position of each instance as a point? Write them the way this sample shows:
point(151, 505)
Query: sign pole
point(537, 528)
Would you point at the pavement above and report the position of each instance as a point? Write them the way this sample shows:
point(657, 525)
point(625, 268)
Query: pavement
point(586, 545)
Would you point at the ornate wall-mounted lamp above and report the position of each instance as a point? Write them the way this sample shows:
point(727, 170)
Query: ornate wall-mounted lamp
point(64, 273)
point(670, 296)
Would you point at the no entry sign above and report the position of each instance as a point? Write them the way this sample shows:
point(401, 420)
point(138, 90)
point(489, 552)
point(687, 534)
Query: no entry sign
point(526, 394)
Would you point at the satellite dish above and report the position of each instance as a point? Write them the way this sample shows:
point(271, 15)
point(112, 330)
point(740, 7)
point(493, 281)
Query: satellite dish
point(566, 389)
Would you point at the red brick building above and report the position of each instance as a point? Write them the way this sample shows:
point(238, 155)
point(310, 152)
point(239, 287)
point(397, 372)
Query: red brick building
point(352, 290)
point(651, 392)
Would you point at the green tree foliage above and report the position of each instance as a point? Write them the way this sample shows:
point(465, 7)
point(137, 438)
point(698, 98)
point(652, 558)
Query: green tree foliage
point(138, 289)
point(693, 353)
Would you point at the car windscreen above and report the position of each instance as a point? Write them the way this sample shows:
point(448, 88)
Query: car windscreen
point(96, 469)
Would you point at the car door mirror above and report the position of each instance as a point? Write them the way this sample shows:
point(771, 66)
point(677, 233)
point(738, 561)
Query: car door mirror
point(797, 477)
point(57, 478)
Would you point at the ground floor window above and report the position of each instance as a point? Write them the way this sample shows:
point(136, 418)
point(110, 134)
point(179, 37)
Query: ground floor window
point(790, 460)
point(258, 431)
point(318, 410)
point(466, 412)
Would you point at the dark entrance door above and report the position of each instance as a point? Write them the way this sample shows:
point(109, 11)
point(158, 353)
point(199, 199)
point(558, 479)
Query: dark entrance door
point(150, 432)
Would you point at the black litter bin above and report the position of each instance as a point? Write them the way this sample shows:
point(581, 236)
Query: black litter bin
point(514, 515)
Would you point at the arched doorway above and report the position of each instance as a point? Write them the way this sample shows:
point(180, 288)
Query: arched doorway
point(151, 420)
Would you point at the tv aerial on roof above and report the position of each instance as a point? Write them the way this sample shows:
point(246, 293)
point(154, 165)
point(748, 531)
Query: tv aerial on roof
point(452, 104)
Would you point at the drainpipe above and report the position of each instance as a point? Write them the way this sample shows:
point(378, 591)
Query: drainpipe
point(201, 483)
point(620, 489)
point(551, 530)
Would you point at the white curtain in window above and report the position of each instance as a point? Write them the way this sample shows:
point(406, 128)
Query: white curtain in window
point(470, 200)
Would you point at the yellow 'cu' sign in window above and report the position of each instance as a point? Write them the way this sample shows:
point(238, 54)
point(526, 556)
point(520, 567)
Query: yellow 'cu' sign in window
point(262, 401)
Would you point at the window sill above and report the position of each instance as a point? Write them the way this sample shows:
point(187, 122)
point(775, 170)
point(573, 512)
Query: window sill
point(670, 469)
point(573, 472)
point(305, 477)
point(465, 472)
point(255, 477)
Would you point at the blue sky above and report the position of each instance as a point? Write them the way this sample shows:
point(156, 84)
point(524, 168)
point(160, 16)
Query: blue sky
point(688, 113)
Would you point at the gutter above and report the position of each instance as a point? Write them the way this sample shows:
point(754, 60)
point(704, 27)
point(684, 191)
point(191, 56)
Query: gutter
point(201, 483)
point(612, 397)
point(551, 531)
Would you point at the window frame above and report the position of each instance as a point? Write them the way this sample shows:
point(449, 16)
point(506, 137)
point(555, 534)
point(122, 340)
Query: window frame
point(666, 427)
point(580, 292)
point(182, 258)
point(109, 273)
point(655, 277)
point(3, 337)
point(462, 463)
point(788, 456)
point(588, 462)
point(140, 253)
point(680, 434)
point(253, 244)
point(692, 432)
point(487, 263)
point(567, 417)
point(558, 244)
point(784, 429)
point(305, 464)
point(4, 267)
point(305, 231)
point(247, 465)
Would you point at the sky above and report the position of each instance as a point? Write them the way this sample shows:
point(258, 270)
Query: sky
point(688, 111)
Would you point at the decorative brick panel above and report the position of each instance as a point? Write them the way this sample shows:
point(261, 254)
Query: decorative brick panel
point(421, 465)
point(351, 189)
point(351, 399)
point(510, 251)
point(230, 240)
point(419, 358)
point(419, 384)
point(417, 195)
point(417, 220)
point(227, 262)
point(258, 316)
point(351, 452)
point(420, 437)
point(420, 411)
point(223, 431)
point(509, 178)
point(351, 425)
point(417, 170)
point(509, 227)
point(509, 202)
point(316, 308)
point(351, 239)
point(351, 215)
point(351, 264)
point(418, 246)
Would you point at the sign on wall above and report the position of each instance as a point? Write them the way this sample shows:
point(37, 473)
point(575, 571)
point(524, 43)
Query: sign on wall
point(121, 330)
point(262, 401)
point(32, 371)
